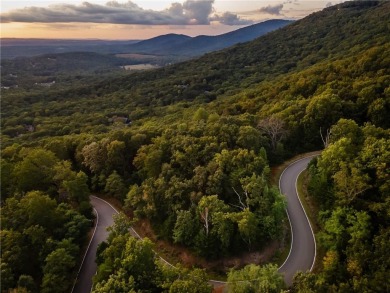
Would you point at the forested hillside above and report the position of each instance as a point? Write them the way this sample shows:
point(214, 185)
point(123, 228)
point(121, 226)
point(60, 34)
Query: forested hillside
point(188, 148)
point(350, 183)
point(181, 45)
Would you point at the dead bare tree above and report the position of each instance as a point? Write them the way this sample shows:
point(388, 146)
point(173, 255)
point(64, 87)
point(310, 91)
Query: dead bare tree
point(205, 217)
point(242, 206)
point(275, 129)
point(326, 138)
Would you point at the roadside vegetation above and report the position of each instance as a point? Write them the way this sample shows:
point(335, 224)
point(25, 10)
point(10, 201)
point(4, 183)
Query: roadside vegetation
point(350, 183)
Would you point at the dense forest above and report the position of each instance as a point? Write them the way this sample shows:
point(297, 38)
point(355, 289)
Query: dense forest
point(350, 183)
point(188, 147)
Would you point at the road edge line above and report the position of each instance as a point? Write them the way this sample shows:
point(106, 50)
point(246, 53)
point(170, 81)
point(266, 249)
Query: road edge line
point(135, 232)
point(308, 220)
point(292, 233)
point(86, 251)
point(291, 229)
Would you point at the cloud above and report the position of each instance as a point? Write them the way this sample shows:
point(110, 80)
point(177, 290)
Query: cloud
point(229, 18)
point(198, 11)
point(190, 12)
point(272, 9)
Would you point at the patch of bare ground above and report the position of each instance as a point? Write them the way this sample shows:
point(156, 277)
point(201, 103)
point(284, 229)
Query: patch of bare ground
point(175, 253)
point(276, 251)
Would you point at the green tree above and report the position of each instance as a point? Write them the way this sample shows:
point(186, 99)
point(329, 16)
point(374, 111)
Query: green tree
point(71, 185)
point(13, 254)
point(186, 227)
point(116, 159)
point(6, 178)
point(39, 209)
point(324, 110)
point(200, 115)
point(194, 281)
point(95, 156)
point(36, 170)
point(254, 278)
point(250, 138)
point(26, 282)
point(134, 260)
point(350, 182)
point(347, 128)
point(247, 226)
point(57, 271)
point(149, 161)
point(207, 206)
point(115, 186)
point(304, 282)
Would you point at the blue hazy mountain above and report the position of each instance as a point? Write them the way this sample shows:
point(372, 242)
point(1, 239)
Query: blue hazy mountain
point(175, 44)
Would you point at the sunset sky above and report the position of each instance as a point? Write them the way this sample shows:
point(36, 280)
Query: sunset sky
point(102, 19)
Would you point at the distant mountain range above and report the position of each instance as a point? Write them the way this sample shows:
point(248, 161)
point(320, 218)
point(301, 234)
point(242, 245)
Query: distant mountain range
point(171, 44)
point(182, 45)
point(13, 47)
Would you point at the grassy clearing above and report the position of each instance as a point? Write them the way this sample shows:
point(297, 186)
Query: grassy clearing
point(145, 66)
point(137, 56)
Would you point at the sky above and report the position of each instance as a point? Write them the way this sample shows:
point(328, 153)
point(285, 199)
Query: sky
point(136, 20)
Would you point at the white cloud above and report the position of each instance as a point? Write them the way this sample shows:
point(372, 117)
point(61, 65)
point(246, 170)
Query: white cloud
point(229, 18)
point(272, 9)
point(191, 12)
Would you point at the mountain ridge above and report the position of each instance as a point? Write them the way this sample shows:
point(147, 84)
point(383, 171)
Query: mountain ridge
point(176, 44)
point(167, 44)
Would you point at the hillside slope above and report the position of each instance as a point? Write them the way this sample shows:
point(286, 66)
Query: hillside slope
point(188, 148)
point(158, 45)
point(335, 33)
point(181, 45)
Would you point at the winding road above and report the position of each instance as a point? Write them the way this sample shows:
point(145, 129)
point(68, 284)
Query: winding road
point(302, 251)
point(104, 218)
point(303, 245)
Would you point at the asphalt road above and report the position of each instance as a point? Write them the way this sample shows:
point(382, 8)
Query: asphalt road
point(303, 245)
point(88, 268)
point(302, 251)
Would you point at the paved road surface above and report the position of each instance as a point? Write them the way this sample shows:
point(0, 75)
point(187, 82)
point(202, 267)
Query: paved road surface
point(303, 246)
point(88, 268)
point(300, 258)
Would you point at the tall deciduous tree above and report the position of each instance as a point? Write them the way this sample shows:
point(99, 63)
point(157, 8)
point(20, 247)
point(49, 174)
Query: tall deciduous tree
point(36, 170)
point(115, 186)
point(131, 267)
point(254, 279)
point(95, 156)
point(57, 271)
